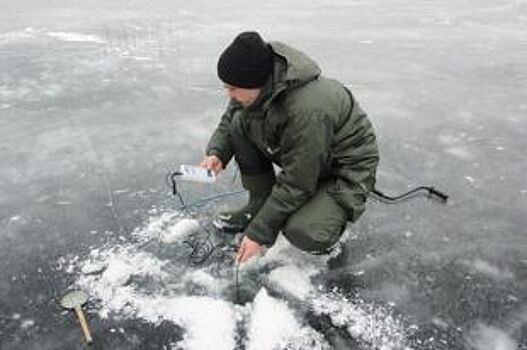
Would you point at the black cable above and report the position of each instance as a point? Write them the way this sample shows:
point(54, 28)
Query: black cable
point(432, 193)
point(236, 280)
point(203, 248)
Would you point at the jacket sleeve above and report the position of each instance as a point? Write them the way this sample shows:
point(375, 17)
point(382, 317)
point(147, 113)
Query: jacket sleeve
point(305, 148)
point(220, 144)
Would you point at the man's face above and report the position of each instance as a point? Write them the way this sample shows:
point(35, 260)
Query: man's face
point(244, 96)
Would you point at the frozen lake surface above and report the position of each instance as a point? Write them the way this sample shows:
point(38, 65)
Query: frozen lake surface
point(99, 101)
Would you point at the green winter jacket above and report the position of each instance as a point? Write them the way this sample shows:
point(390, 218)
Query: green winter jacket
point(314, 129)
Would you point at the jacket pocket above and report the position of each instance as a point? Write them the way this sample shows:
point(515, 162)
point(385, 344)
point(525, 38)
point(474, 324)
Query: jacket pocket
point(350, 197)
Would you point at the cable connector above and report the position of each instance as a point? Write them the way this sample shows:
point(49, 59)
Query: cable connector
point(442, 197)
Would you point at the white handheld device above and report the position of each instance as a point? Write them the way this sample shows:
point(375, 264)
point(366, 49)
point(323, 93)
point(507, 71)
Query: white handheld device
point(195, 173)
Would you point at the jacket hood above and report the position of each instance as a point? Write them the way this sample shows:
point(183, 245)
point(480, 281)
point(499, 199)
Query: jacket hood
point(295, 69)
point(292, 68)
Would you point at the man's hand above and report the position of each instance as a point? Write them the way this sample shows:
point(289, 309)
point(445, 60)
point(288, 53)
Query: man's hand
point(213, 163)
point(247, 249)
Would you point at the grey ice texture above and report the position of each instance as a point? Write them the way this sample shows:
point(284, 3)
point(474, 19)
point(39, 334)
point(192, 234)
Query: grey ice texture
point(100, 99)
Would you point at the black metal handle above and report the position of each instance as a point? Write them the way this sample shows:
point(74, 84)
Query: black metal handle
point(440, 195)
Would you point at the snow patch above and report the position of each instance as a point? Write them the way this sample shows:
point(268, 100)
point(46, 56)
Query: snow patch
point(27, 324)
point(16, 36)
point(179, 230)
point(156, 225)
point(209, 323)
point(274, 326)
point(484, 337)
point(449, 140)
point(490, 270)
point(76, 37)
point(205, 280)
point(363, 321)
point(119, 265)
point(117, 272)
point(132, 280)
point(294, 280)
point(470, 179)
point(460, 152)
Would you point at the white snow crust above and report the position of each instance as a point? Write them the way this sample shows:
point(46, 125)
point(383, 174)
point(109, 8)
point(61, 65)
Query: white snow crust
point(128, 281)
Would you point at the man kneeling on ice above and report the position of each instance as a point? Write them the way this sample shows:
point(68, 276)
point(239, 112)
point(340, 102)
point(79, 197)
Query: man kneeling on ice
point(283, 111)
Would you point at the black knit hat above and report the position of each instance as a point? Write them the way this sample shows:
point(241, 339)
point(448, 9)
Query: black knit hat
point(246, 62)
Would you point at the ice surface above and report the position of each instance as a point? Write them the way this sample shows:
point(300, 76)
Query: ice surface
point(100, 99)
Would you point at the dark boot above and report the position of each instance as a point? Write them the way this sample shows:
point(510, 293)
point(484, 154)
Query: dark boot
point(259, 188)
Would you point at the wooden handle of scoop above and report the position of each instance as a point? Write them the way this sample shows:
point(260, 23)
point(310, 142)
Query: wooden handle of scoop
point(84, 324)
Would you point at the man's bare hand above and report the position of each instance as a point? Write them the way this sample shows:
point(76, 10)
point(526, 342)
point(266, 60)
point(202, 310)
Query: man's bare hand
point(213, 163)
point(247, 249)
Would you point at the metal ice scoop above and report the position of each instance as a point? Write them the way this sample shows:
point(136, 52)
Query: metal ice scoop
point(74, 300)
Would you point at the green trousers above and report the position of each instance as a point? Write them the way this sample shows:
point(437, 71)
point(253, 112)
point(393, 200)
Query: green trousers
point(318, 224)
